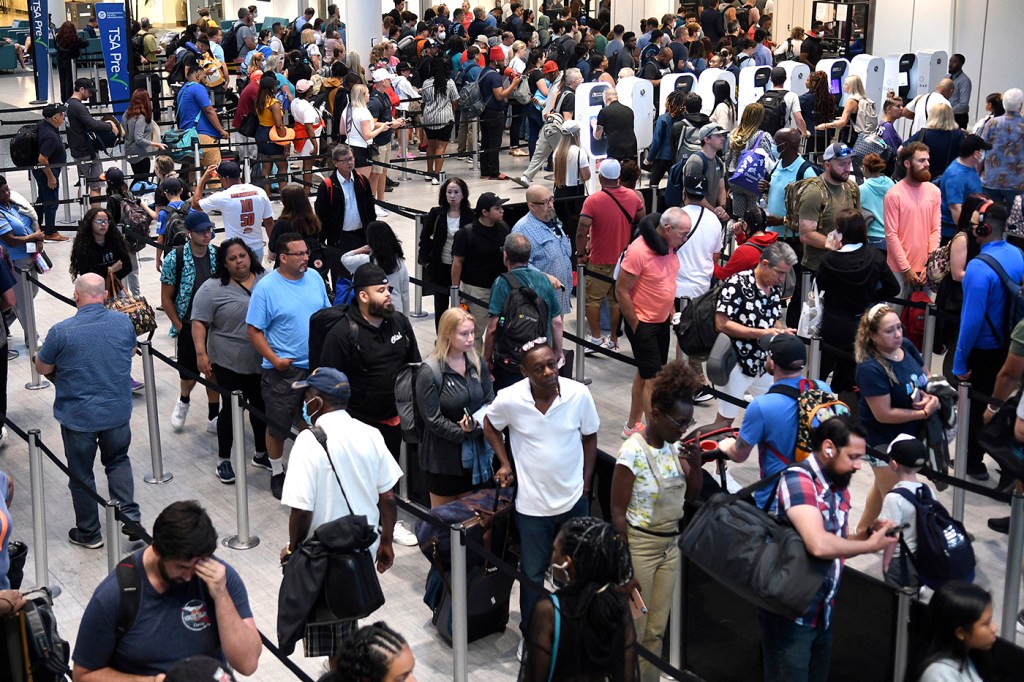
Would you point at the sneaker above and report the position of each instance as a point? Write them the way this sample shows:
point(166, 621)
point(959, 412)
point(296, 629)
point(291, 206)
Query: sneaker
point(403, 536)
point(225, 472)
point(598, 341)
point(388, 182)
point(435, 181)
point(702, 396)
point(137, 386)
point(75, 538)
point(519, 649)
point(1000, 524)
point(58, 237)
point(179, 414)
point(1020, 622)
point(3, 437)
point(277, 485)
point(212, 426)
point(381, 213)
point(978, 472)
point(636, 428)
point(261, 460)
point(132, 537)
point(427, 178)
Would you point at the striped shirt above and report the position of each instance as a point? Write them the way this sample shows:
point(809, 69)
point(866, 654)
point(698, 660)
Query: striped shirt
point(437, 108)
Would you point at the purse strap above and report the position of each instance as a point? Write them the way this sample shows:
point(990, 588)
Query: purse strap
point(558, 632)
point(117, 287)
point(321, 437)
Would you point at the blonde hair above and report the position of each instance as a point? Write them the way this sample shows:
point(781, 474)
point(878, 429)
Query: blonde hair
point(941, 118)
point(359, 95)
point(856, 86)
point(307, 37)
point(751, 120)
point(561, 159)
point(864, 348)
point(449, 323)
point(165, 167)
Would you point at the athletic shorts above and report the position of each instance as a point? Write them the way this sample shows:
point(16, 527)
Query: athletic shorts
point(650, 344)
point(187, 350)
point(282, 401)
point(442, 134)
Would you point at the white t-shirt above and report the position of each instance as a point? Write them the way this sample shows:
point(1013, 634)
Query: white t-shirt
point(696, 257)
point(276, 46)
point(303, 111)
point(792, 101)
point(547, 447)
point(925, 102)
point(578, 159)
point(900, 511)
point(355, 131)
point(243, 208)
point(364, 465)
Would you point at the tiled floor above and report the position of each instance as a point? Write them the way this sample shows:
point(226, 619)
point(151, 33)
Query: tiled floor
point(190, 457)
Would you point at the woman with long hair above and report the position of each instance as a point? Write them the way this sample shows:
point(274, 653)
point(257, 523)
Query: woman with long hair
point(454, 384)
point(297, 216)
point(138, 136)
point(269, 114)
point(440, 97)
point(439, 227)
point(891, 377)
point(385, 249)
point(69, 47)
point(698, 59)
point(518, 65)
point(748, 136)
point(943, 137)
point(993, 108)
point(572, 172)
point(654, 477)
point(724, 110)
point(662, 153)
point(590, 567)
point(817, 105)
point(855, 276)
point(309, 48)
point(98, 249)
point(853, 86)
point(962, 627)
point(363, 128)
point(222, 350)
point(539, 86)
point(599, 70)
point(375, 653)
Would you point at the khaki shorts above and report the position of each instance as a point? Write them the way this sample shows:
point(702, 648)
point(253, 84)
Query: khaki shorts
point(209, 156)
point(598, 289)
point(384, 156)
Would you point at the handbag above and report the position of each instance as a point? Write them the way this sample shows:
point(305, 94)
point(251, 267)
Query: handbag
point(811, 312)
point(137, 308)
point(753, 554)
point(721, 360)
point(17, 552)
point(938, 266)
point(751, 167)
point(249, 124)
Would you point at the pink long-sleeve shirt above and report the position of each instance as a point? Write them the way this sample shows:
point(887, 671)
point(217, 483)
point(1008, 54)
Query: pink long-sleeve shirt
point(912, 224)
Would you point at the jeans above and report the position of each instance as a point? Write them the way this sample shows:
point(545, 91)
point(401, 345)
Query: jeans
point(516, 126)
point(534, 122)
point(492, 127)
point(537, 537)
point(46, 204)
point(249, 385)
point(791, 652)
point(80, 451)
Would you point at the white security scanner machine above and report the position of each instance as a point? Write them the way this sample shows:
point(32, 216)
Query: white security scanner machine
point(754, 81)
point(796, 76)
point(589, 102)
point(901, 75)
point(706, 82)
point(681, 82)
point(638, 95)
point(932, 67)
point(837, 70)
point(871, 71)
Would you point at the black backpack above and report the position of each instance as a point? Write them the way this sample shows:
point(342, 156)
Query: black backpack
point(48, 654)
point(774, 103)
point(320, 323)
point(944, 550)
point(563, 52)
point(174, 226)
point(743, 16)
point(25, 146)
point(409, 415)
point(230, 43)
point(696, 329)
point(139, 44)
point(524, 317)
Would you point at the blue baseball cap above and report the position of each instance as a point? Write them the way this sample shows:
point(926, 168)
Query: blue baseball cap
point(328, 381)
point(198, 221)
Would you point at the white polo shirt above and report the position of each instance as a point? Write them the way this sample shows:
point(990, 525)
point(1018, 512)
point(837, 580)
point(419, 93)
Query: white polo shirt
point(364, 464)
point(548, 449)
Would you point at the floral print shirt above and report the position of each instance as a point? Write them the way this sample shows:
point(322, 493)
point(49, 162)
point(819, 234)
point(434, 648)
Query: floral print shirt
point(1004, 164)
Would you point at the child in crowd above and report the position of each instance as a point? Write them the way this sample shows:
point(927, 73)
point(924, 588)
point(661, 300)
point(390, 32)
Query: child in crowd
point(908, 455)
point(173, 188)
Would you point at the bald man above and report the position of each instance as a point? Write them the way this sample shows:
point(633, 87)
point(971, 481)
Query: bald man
point(551, 247)
point(91, 356)
point(926, 103)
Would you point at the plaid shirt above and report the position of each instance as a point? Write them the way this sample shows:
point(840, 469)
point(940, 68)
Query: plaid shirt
point(551, 252)
point(808, 484)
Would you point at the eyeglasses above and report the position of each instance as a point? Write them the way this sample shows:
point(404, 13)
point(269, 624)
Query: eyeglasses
point(300, 254)
point(530, 345)
point(100, 221)
point(346, 159)
point(549, 200)
point(679, 425)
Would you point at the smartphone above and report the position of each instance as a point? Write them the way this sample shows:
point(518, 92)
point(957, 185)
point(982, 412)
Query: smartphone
point(895, 530)
point(636, 603)
point(465, 411)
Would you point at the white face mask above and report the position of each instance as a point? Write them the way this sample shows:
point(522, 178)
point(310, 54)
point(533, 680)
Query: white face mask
point(441, 35)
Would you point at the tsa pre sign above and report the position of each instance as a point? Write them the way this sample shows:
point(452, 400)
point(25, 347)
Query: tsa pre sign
point(114, 37)
point(38, 11)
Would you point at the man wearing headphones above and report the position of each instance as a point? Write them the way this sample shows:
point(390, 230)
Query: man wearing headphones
point(984, 323)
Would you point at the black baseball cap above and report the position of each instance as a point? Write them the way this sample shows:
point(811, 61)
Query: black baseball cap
point(51, 110)
point(487, 201)
point(85, 83)
point(786, 350)
point(695, 185)
point(908, 451)
point(971, 144)
point(229, 169)
point(369, 275)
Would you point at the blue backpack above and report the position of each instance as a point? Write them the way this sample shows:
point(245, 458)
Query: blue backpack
point(944, 551)
point(750, 169)
point(344, 292)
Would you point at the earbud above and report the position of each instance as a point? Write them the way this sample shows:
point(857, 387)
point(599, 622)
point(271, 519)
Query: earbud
point(829, 452)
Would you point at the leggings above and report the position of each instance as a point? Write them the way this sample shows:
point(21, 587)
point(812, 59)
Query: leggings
point(249, 385)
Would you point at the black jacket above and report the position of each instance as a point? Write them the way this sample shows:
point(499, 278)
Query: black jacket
point(852, 281)
point(329, 206)
point(433, 236)
point(440, 399)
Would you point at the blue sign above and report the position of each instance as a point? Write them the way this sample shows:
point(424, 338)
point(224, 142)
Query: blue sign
point(38, 12)
point(115, 40)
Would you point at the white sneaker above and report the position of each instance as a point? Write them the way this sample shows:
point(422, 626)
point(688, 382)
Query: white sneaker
point(435, 181)
point(381, 213)
point(3, 436)
point(179, 414)
point(403, 536)
point(212, 426)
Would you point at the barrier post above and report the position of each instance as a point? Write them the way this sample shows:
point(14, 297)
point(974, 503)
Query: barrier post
point(963, 408)
point(814, 358)
point(675, 624)
point(243, 540)
point(65, 183)
point(29, 323)
point(442, 176)
point(929, 336)
point(453, 297)
point(158, 474)
point(113, 535)
point(32, 184)
point(901, 652)
point(474, 132)
point(1014, 554)
point(805, 286)
point(460, 625)
point(198, 161)
point(35, 471)
point(403, 464)
point(581, 320)
point(417, 291)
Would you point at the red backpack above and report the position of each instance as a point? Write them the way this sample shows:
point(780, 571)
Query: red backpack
point(914, 318)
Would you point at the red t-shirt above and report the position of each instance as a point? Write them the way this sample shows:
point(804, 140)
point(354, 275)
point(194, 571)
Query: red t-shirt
point(610, 231)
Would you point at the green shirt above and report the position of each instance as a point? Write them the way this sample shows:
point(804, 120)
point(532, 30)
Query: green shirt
point(1017, 339)
point(810, 208)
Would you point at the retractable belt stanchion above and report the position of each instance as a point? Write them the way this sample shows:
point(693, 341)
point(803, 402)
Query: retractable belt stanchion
point(474, 132)
point(805, 286)
point(32, 339)
point(581, 320)
point(35, 471)
point(153, 418)
point(32, 186)
point(929, 337)
point(460, 623)
point(417, 291)
point(453, 297)
point(901, 653)
point(244, 539)
point(197, 158)
point(403, 464)
point(960, 467)
point(814, 359)
point(113, 535)
point(1014, 554)
point(675, 625)
point(65, 183)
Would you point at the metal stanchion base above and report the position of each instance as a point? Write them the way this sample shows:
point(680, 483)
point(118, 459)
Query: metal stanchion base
point(37, 102)
point(145, 259)
point(150, 478)
point(43, 383)
point(11, 354)
point(418, 315)
point(234, 542)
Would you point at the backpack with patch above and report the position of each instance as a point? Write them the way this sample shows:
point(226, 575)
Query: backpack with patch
point(795, 191)
point(649, 52)
point(322, 322)
point(409, 415)
point(1014, 312)
point(174, 225)
point(135, 222)
point(25, 146)
point(471, 98)
point(695, 330)
point(563, 52)
point(867, 116)
point(230, 43)
point(944, 550)
point(813, 407)
point(47, 653)
point(524, 317)
point(774, 103)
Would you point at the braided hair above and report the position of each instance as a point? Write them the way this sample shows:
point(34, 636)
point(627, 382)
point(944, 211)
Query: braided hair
point(367, 654)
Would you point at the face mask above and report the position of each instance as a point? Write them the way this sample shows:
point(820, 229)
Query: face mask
point(305, 412)
point(558, 574)
point(441, 35)
point(982, 159)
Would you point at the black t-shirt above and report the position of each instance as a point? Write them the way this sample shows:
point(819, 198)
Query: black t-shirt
point(680, 53)
point(812, 48)
point(50, 144)
point(617, 121)
point(489, 80)
point(567, 102)
point(651, 71)
point(533, 78)
point(480, 246)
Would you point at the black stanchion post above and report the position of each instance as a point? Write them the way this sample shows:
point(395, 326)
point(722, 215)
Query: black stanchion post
point(1014, 554)
point(244, 539)
point(153, 417)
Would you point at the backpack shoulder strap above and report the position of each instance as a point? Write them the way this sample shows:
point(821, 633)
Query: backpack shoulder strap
point(997, 267)
point(782, 389)
point(513, 281)
point(129, 590)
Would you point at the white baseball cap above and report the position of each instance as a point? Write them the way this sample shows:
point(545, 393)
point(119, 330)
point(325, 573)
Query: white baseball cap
point(380, 75)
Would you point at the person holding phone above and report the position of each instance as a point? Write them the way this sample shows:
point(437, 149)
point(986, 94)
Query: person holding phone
point(654, 476)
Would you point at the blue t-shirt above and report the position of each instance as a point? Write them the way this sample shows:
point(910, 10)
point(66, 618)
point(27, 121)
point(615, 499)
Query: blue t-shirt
point(281, 309)
point(192, 99)
point(957, 183)
point(5, 534)
point(16, 223)
point(780, 178)
point(93, 354)
point(873, 381)
point(169, 627)
point(770, 423)
point(489, 80)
